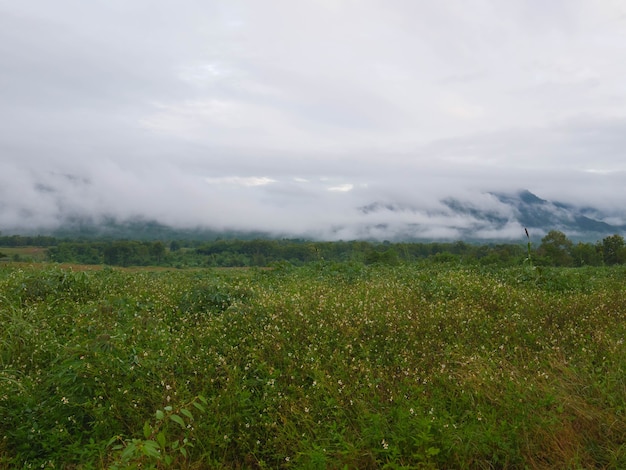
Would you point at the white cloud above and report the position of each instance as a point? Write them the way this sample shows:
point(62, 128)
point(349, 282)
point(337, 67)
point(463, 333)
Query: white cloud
point(242, 180)
point(342, 188)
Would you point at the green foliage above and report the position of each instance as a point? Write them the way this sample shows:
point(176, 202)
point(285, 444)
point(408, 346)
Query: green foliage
point(166, 440)
point(26, 240)
point(586, 254)
point(614, 250)
point(388, 257)
point(53, 284)
point(557, 249)
point(211, 296)
point(328, 365)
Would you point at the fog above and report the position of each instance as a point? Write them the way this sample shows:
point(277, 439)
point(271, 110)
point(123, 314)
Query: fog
point(292, 117)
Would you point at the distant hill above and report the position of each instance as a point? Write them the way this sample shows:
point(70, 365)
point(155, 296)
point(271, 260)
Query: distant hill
point(143, 229)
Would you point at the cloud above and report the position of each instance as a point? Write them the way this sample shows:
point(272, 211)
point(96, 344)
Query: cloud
point(242, 181)
point(342, 188)
point(225, 114)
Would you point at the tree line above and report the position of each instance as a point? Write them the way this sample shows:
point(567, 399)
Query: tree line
point(27, 240)
point(555, 249)
point(558, 250)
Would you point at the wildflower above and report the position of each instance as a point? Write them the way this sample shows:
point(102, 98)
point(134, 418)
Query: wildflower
point(385, 444)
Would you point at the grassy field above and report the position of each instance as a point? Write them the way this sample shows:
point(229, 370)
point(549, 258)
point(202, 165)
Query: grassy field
point(322, 366)
point(19, 253)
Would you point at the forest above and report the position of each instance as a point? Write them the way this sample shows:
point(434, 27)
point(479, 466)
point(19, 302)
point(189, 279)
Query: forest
point(554, 249)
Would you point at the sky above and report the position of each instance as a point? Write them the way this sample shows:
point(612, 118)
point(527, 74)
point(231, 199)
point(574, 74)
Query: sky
point(291, 116)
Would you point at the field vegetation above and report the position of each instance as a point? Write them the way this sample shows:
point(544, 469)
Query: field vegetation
point(327, 365)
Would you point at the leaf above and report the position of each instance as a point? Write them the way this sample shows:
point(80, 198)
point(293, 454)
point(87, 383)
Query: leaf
point(178, 419)
point(160, 415)
point(199, 406)
point(161, 439)
point(130, 449)
point(151, 449)
point(186, 412)
point(432, 451)
point(183, 451)
point(147, 430)
point(168, 408)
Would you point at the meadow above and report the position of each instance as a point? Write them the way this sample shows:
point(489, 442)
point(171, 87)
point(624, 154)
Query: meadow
point(328, 365)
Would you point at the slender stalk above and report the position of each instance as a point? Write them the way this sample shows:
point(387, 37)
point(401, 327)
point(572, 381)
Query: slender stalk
point(529, 258)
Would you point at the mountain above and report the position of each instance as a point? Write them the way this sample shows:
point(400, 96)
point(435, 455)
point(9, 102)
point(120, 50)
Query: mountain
point(497, 216)
point(536, 213)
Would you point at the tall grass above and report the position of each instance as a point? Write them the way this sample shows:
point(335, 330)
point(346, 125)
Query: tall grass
point(324, 366)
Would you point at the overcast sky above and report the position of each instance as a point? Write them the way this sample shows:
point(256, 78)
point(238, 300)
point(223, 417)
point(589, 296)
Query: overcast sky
point(289, 115)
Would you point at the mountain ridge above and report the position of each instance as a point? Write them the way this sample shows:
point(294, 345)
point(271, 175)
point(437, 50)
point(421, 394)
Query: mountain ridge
point(518, 209)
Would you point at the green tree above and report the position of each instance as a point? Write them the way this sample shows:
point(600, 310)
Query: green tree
point(389, 257)
point(157, 251)
point(586, 254)
point(613, 250)
point(119, 253)
point(556, 248)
